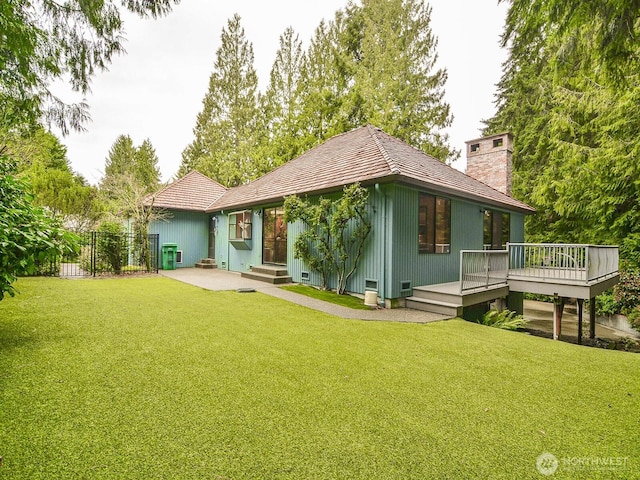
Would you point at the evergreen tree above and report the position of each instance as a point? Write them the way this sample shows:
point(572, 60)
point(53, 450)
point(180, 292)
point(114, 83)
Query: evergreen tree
point(226, 131)
point(42, 161)
point(325, 79)
point(119, 162)
point(33, 146)
point(66, 195)
point(127, 166)
point(282, 104)
point(576, 150)
point(43, 41)
point(374, 63)
point(147, 172)
point(613, 33)
point(395, 84)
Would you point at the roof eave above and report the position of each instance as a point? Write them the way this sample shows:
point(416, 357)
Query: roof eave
point(390, 178)
point(280, 198)
point(466, 195)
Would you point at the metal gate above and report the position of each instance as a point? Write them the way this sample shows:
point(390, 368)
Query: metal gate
point(102, 253)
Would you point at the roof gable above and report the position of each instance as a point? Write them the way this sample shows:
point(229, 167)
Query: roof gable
point(420, 169)
point(193, 192)
point(344, 159)
point(365, 155)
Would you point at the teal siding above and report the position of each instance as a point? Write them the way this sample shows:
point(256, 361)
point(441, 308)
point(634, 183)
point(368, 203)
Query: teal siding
point(238, 257)
point(371, 269)
point(370, 266)
point(296, 267)
point(391, 254)
point(428, 268)
point(189, 230)
point(516, 225)
point(222, 243)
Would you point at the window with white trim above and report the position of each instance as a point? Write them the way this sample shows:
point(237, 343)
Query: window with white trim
point(240, 225)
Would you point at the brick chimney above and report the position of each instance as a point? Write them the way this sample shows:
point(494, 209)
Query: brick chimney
point(489, 160)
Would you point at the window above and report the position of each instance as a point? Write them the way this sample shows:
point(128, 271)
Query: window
point(498, 142)
point(496, 230)
point(475, 147)
point(434, 224)
point(179, 256)
point(240, 225)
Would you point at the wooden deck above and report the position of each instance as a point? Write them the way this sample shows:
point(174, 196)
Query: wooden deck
point(571, 285)
point(570, 271)
point(448, 299)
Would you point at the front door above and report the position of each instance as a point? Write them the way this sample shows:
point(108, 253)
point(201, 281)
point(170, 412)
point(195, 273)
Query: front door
point(274, 236)
point(212, 237)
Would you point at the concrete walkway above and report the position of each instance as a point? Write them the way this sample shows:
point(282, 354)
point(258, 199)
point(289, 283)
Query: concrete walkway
point(217, 279)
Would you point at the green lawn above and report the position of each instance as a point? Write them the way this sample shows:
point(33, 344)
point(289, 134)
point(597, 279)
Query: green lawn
point(150, 378)
point(328, 296)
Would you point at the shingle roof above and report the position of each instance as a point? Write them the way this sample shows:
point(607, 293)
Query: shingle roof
point(367, 155)
point(193, 192)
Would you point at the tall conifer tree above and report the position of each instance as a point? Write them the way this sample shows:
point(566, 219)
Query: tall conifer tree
point(326, 83)
point(572, 112)
point(282, 104)
point(147, 172)
point(226, 131)
point(128, 166)
point(396, 85)
point(119, 162)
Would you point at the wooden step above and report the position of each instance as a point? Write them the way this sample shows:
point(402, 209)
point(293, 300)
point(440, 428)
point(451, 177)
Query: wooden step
point(206, 263)
point(275, 270)
point(438, 295)
point(267, 277)
point(434, 306)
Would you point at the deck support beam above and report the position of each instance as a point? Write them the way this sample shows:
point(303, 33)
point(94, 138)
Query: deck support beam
point(592, 318)
point(558, 308)
point(580, 304)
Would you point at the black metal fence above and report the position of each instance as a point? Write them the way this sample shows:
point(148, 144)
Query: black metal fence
point(102, 253)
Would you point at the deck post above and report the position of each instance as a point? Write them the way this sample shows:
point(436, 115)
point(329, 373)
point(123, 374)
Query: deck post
point(558, 308)
point(592, 317)
point(580, 302)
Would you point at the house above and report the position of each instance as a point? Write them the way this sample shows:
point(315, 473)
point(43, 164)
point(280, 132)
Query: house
point(432, 225)
point(188, 225)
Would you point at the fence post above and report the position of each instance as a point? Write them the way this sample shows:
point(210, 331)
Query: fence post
point(157, 238)
point(461, 271)
point(587, 263)
point(93, 253)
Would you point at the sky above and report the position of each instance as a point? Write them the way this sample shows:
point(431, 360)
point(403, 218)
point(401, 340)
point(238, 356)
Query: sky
point(155, 90)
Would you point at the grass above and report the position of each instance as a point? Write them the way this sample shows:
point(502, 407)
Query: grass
point(328, 296)
point(150, 378)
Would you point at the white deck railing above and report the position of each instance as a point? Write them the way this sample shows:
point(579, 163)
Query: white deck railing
point(562, 262)
point(575, 264)
point(483, 268)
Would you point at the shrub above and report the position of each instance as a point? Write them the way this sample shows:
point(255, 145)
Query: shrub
point(629, 343)
point(504, 319)
point(627, 292)
point(606, 304)
point(111, 248)
point(634, 318)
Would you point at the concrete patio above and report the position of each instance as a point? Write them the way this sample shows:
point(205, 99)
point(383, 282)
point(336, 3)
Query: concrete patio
point(218, 279)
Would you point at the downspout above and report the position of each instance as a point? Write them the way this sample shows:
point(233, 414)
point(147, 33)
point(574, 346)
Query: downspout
point(384, 245)
point(227, 242)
